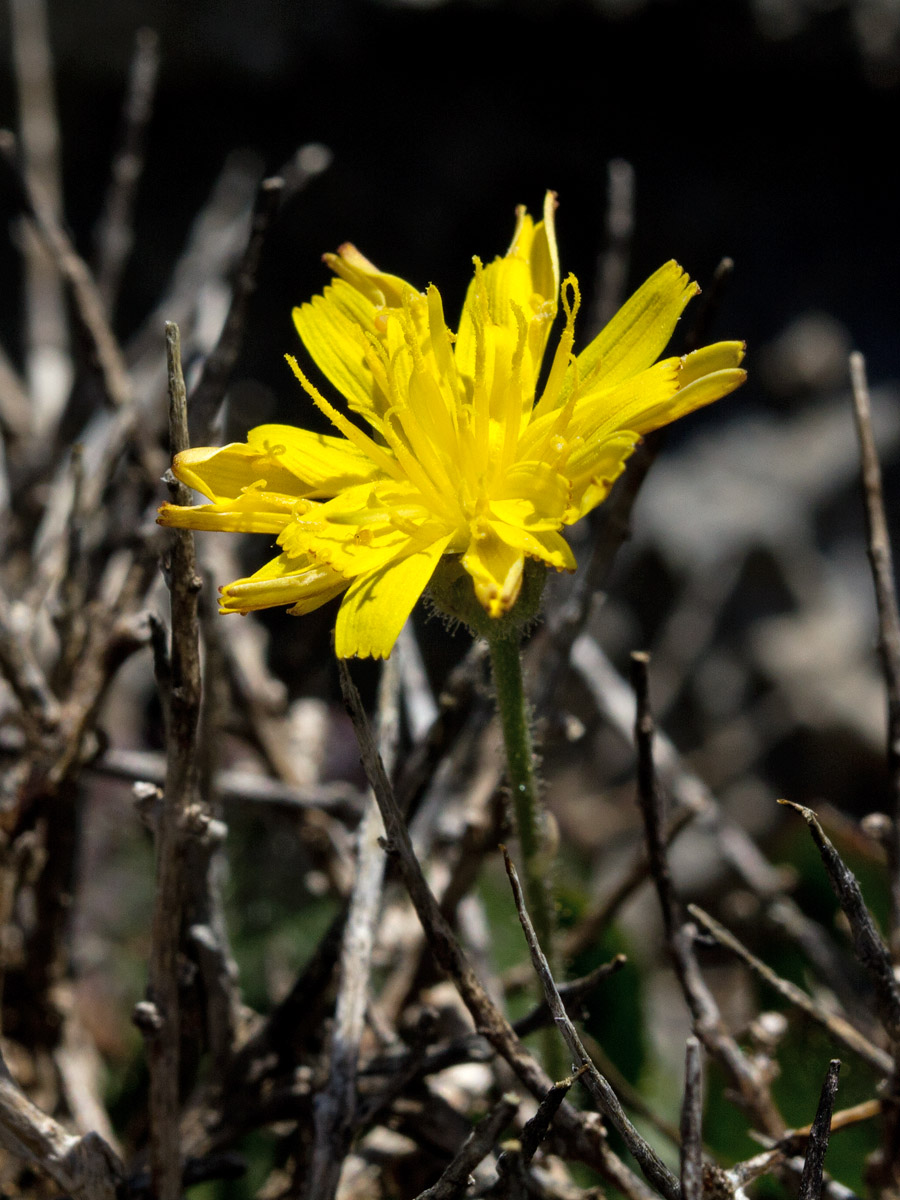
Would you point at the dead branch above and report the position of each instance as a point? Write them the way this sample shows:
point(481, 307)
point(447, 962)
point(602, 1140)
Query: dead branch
point(182, 708)
point(84, 1167)
point(867, 942)
point(752, 1087)
point(210, 389)
point(655, 1170)
point(692, 1122)
point(114, 234)
point(335, 1106)
point(580, 1134)
point(837, 1026)
point(813, 1164)
point(879, 547)
point(455, 1179)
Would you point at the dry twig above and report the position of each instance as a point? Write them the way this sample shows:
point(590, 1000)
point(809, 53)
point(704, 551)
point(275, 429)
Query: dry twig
point(813, 1164)
point(159, 1016)
point(692, 1123)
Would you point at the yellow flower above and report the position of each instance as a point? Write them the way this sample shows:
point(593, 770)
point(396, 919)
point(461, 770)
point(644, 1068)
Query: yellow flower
point(461, 456)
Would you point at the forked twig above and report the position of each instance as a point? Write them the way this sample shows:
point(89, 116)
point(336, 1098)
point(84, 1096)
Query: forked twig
point(657, 1173)
point(455, 1179)
point(708, 1025)
point(867, 942)
point(839, 1029)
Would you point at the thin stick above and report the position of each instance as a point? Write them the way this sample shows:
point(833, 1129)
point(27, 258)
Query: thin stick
point(708, 1025)
point(231, 785)
point(573, 995)
point(182, 708)
point(455, 1179)
point(709, 305)
point(336, 1104)
point(879, 547)
point(584, 1140)
point(692, 1122)
point(85, 1168)
point(612, 267)
point(115, 233)
point(839, 1029)
point(24, 675)
point(870, 949)
point(813, 1166)
point(210, 390)
point(538, 1127)
point(87, 302)
point(47, 361)
point(655, 1170)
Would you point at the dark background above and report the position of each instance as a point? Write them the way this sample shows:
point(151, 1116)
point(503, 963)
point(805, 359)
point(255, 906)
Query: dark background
point(766, 132)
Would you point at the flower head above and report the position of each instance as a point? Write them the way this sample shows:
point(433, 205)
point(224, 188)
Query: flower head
point(462, 456)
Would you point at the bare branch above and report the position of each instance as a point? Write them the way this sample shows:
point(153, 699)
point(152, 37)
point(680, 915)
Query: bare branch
point(336, 1104)
point(692, 1122)
point(455, 1179)
point(181, 705)
point(581, 1135)
point(839, 1028)
point(84, 1167)
point(655, 1170)
point(88, 304)
point(870, 949)
point(888, 617)
point(709, 305)
point(708, 1025)
point(210, 389)
point(811, 1179)
point(612, 267)
point(114, 233)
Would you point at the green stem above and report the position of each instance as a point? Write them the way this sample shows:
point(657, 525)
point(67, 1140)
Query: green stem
point(506, 661)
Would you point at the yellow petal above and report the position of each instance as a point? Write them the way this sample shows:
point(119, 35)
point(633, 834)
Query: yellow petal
point(378, 603)
point(336, 342)
point(253, 512)
point(696, 395)
point(284, 580)
point(594, 468)
point(496, 569)
point(381, 289)
point(640, 330)
point(280, 458)
point(222, 472)
point(546, 544)
point(324, 464)
point(638, 403)
point(528, 277)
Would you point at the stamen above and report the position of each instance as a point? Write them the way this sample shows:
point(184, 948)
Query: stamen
point(352, 432)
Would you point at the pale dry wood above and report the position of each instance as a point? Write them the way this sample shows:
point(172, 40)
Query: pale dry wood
point(336, 1105)
point(85, 1168)
point(692, 1122)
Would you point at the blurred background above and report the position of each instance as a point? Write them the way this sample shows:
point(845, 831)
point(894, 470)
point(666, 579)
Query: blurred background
point(760, 130)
